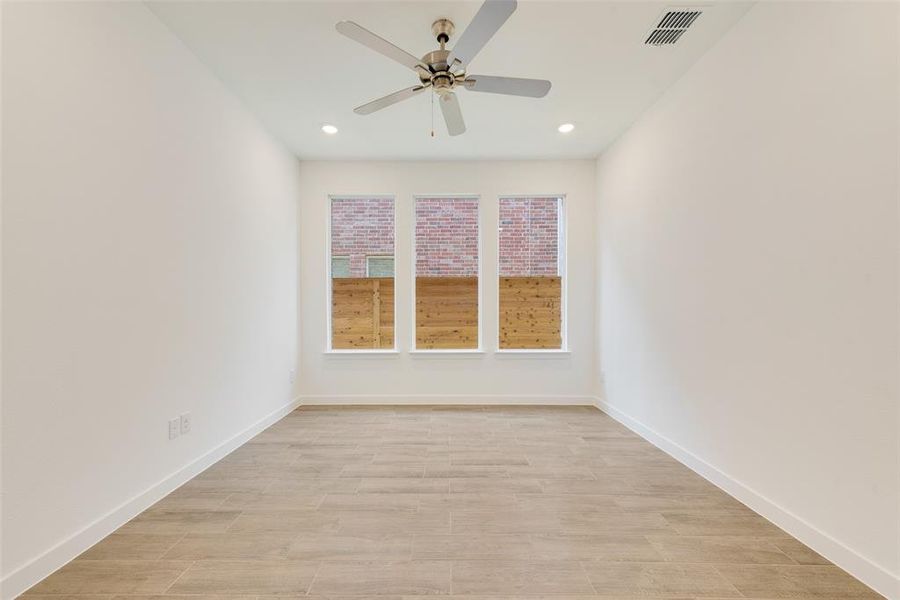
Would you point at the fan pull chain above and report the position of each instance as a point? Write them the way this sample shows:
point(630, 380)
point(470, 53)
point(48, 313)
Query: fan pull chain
point(432, 114)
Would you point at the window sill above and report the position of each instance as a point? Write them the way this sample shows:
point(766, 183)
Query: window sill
point(533, 353)
point(387, 352)
point(465, 353)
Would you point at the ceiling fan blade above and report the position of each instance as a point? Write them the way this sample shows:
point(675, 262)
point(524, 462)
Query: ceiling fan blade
point(514, 86)
point(489, 18)
point(452, 113)
point(370, 107)
point(379, 44)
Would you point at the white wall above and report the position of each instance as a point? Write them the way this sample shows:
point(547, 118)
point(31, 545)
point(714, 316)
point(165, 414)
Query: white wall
point(149, 269)
point(458, 378)
point(749, 260)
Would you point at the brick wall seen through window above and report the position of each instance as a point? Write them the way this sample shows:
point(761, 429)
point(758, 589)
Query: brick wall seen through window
point(446, 237)
point(362, 227)
point(529, 236)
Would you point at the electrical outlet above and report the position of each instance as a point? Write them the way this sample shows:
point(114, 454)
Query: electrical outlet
point(174, 428)
point(185, 423)
point(293, 375)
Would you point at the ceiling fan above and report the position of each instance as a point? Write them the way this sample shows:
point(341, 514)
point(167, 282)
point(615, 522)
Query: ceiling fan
point(444, 70)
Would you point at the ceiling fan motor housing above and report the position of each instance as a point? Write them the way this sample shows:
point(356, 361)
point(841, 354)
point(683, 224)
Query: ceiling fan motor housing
point(440, 76)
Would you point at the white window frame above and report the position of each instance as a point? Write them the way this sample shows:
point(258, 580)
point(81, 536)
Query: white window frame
point(393, 258)
point(330, 198)
point(479, 350)
point(562, 259)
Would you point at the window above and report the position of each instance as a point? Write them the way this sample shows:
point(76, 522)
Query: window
point(362, 273)
point(447, 268)
point(379, 266)
point(340, 266)
point(530, 270)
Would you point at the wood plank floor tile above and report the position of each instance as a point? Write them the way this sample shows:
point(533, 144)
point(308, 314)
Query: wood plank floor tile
point(132, 546)
point(291, 521)
point(404, 485)
point(491, 458)
point(393, 522)
point(163, 520)
point(268, 500)
point(351, 547)
point(186, 499)
point(242, 471)
point(720, 549)
point(726, 524)
point(183, 597)
point(661, 579)
point(219, 546)
point(516, 520)
point(34, 596)
point(598, 546)
point(563, 503)
point(390, 471)
point(799, 552)
point(112, 577)
point(491, 485)
point(373, 501)
point(343, 485)
point(575, 521)
point(378, 578)
point(461, 501)
point(448, 471)
point(472, 547)
point(806, 582)
point(246, 577)
point(704, 504)
point(521, 577)
point(227, 486)
point(594, 487)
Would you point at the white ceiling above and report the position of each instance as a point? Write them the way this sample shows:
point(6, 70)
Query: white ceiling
point(295, 72)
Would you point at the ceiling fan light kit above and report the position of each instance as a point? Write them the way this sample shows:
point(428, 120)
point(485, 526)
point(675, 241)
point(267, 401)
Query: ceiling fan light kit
point(444, 70)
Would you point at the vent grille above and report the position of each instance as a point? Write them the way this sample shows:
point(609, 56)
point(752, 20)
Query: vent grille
point(672, 26)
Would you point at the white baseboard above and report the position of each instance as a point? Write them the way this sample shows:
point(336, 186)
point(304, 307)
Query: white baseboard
point(438, 399)
point(875, 576)
point(33, 572)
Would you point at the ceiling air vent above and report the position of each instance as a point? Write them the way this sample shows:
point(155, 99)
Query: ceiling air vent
point(671, 26)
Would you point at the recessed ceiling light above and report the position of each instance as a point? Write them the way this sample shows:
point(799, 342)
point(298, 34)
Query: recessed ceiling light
point(329, 129)
point(566, 128)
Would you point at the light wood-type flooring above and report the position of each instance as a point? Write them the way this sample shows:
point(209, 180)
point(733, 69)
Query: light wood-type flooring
point(466, 502)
